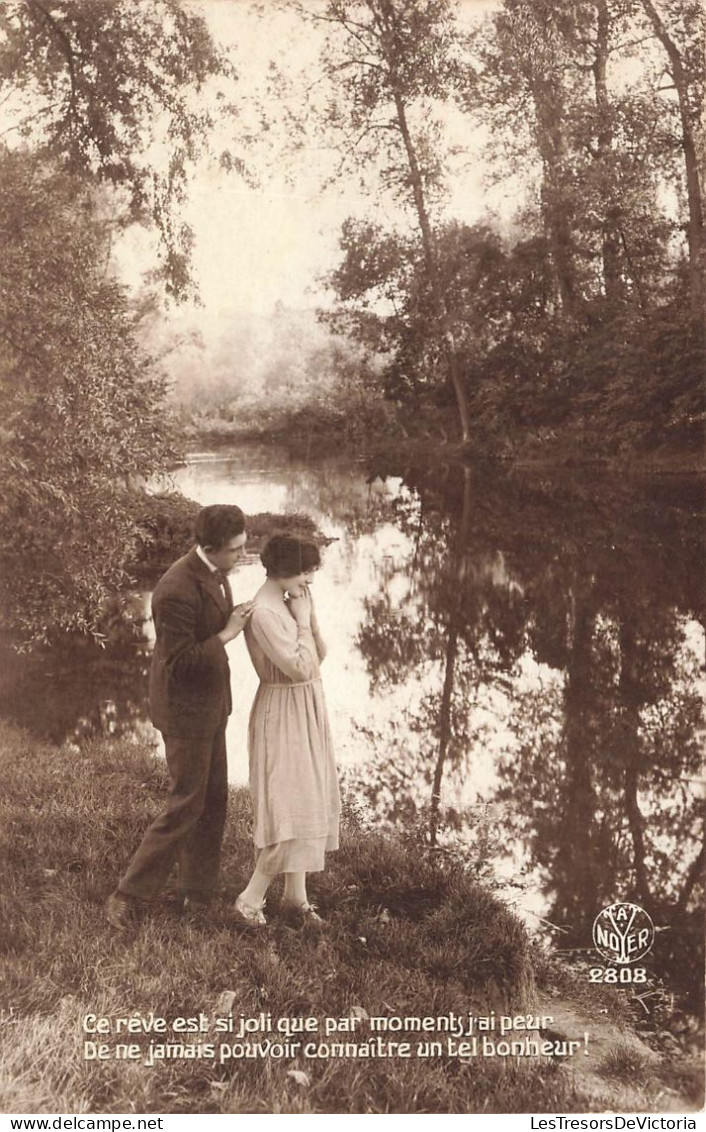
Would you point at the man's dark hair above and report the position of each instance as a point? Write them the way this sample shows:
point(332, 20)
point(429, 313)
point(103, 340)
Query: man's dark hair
point(284, 556)
point(217, 524)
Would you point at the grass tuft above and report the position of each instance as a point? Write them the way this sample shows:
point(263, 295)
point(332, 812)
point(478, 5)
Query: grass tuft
point(624, 1063)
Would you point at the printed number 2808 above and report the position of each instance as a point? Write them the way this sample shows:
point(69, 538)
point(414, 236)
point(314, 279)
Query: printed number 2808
point(615, 975)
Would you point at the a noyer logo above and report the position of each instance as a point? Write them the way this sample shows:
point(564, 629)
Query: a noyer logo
point(623, 933)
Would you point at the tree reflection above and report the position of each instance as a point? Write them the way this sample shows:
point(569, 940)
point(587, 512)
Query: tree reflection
point(598, 586)
point(452, 630)
point(77, 688)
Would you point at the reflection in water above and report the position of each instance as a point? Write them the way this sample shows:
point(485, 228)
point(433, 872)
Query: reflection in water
point(597, 769)
point(79, 688)
point(515, 667)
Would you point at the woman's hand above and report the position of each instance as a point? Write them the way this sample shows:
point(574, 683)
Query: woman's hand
point(312, 617)
point(300, 605)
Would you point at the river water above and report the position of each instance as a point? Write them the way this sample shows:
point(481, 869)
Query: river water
point(525, 648)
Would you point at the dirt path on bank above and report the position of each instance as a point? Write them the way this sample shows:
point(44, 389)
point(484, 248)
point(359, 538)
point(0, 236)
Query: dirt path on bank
point(614, 1069)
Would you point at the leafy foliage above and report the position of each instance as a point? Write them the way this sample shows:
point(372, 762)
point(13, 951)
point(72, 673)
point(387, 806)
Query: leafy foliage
point(166, 522)
point(81, 404)
point(111, 89)
point(613, 380)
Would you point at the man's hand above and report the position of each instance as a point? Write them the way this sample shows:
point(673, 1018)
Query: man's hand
point(237, 621)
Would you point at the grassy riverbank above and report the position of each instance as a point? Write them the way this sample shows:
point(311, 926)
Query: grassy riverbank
point(407, 937)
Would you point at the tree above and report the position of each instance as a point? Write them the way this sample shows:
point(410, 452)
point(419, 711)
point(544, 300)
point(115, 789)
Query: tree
point(574, 94)
point(103, 103)
point(389, 63)
point(499, 299)
point(520, 86)
point(686, 67)
point(568, 90)
point(111, 89)
point(81, 404)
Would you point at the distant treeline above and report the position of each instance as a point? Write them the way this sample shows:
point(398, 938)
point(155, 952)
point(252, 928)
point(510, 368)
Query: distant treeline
point(282, 374)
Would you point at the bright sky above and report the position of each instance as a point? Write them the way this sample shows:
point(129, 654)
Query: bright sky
point(255, 245)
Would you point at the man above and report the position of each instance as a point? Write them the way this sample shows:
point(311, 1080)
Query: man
point(190, 702)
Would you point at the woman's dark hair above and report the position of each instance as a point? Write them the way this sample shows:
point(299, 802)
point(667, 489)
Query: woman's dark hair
point(217, 524)
point(283, 556)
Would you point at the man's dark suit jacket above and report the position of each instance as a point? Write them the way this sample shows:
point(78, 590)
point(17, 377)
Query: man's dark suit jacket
point(189, 678)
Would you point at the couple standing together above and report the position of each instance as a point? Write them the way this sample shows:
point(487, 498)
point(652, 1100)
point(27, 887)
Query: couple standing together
point(293, 780)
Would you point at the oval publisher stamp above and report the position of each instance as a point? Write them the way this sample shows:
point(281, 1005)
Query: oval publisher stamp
point(623, 932)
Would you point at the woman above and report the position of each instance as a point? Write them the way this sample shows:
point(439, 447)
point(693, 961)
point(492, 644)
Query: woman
point(293, 779)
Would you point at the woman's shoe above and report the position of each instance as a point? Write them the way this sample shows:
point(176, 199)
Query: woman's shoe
point(247, 914)
point(301, 914)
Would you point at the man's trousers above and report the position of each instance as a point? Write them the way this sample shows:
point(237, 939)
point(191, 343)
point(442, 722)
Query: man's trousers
point(190, 830)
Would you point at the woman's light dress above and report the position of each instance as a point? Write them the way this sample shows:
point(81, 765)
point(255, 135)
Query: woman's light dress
point(293, 780)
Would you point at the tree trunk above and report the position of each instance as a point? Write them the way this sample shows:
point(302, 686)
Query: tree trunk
point(630, 710)
point(450, 658)
point(441, 312)
point(556, 200)
point(438, 299)
point(444, 727)
point(610, 241)
point(695, 228)
point(579, 873)
point(692, 878)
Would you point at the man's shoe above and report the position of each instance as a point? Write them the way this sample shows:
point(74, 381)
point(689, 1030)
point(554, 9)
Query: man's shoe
point(248, 914)
point(120, 911)
point(195, 910)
